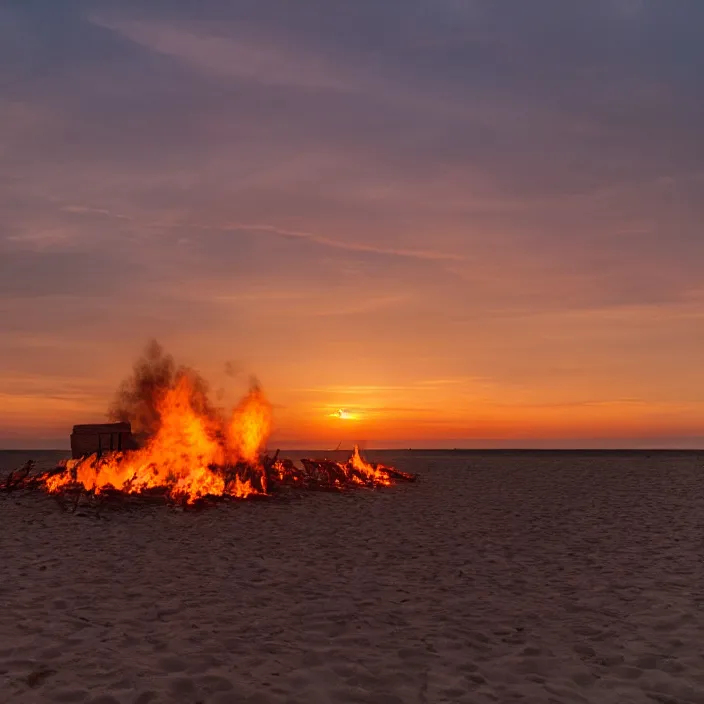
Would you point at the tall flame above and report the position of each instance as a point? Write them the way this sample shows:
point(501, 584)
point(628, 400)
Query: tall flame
point(250, 425)
point(374, 473)
point(193, 452)
point(187, 454)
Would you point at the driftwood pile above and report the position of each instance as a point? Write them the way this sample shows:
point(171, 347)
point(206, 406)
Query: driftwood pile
point(22, 478)
point(273, 476)
point(334, 475)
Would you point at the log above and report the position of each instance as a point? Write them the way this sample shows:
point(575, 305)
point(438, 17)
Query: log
point(401, 476)
point(331, 471)
point(17, 478)
point(267, 466)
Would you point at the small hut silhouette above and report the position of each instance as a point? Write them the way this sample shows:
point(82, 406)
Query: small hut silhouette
point(97, 438)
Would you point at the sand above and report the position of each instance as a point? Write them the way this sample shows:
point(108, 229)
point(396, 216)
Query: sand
point(498, 578)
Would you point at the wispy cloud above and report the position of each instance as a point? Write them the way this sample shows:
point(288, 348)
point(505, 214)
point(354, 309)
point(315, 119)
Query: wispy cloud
point(356, 389)
point(246, 57)
point(46, 238)
point(364, 305)
point(324, 241)
point(88, 210)
point(454, 381)
point(420, 386)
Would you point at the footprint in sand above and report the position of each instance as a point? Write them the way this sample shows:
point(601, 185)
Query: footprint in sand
point(37, 677)
point(171, 663)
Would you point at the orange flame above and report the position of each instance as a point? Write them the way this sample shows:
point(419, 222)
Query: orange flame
point(250, 425)
point(187, 457)
point(194, 452)
point(377, 474)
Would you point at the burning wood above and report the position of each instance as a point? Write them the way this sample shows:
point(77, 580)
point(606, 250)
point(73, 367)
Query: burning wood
point(95, 477)
point(195, 452)
point(18, 477)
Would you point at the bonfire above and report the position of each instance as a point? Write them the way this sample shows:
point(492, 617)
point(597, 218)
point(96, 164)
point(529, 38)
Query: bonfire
point(194, 453)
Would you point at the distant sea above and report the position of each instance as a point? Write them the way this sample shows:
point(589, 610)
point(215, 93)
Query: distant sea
point(46, 459)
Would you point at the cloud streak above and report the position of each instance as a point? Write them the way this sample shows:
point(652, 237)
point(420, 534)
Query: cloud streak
point(244, 57)
point(360, 247)
point(492, 207)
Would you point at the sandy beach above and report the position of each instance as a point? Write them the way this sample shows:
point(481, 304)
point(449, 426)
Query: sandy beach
point(532, 577)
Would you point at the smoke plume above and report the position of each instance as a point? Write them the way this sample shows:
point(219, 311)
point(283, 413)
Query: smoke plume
point(154, 373)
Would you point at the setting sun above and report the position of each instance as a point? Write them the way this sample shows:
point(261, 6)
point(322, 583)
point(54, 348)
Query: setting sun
point(343, 414)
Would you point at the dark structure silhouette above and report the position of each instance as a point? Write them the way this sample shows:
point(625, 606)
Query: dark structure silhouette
point(101, 437)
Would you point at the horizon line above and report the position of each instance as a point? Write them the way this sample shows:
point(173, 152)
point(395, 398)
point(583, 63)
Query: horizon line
point(518, 448)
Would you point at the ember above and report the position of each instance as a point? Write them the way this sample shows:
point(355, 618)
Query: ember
point(195, 453)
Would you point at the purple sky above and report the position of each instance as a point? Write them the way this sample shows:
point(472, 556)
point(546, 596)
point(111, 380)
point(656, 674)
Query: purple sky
point(468, 222)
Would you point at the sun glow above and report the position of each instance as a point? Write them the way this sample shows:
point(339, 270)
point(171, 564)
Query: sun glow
point(344, 414)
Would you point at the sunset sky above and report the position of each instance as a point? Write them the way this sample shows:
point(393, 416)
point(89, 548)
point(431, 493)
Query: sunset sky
point(464, 223)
